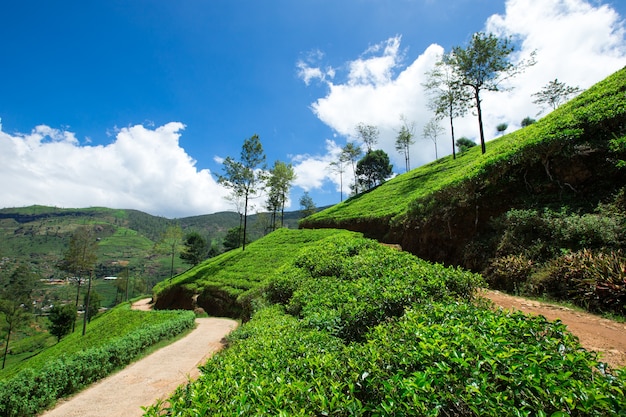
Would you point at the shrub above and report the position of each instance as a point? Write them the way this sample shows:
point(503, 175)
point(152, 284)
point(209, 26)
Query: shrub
point(593, 280)
point(508, 273)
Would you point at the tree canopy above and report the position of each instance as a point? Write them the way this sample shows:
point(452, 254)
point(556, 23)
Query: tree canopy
point(195, 248)
point(482, 66)
point(554, 94)
point(373, 169)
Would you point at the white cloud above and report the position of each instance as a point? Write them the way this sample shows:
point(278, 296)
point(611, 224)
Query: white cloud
point(312, 171)
point(144, 169)
point(576, 41)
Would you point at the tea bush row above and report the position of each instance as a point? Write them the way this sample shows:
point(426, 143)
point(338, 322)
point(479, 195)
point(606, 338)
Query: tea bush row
point(351, 328)
point(31, 390)
point(346, 286)
point(437, 359)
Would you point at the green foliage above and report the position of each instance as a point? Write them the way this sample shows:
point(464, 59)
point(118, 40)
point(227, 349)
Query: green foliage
point(195, 249)
point(346, 286)
point(112, 342)
point(508, 273)
point(62, 317)
point(464, 144)
point(95, 301)
point(307, 205)
point(373, 169)
point(542, 235)
point(235, 274)
point(593, 280)
point(436, 359)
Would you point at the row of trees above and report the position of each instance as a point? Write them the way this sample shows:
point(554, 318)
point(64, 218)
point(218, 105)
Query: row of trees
point(248, 178)
point(459, 78)
point(371, 169)
point(454, 86)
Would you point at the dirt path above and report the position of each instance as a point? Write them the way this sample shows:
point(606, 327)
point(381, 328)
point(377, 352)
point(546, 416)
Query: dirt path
point(156, 376)
point(595, 333)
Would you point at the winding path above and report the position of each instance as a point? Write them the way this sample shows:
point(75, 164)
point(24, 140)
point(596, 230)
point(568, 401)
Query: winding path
point(154, 377)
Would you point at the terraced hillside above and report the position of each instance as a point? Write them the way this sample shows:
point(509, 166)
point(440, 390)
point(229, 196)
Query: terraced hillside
point(442, 210)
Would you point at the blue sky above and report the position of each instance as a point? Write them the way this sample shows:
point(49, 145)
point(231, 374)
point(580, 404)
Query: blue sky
point(134, 104)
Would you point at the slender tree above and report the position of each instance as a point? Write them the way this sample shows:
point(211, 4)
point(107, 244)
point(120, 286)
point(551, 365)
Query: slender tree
point(281, 176)
point(404, 140)
point(15, 299)
point(432, 131)
point(501, 128)
point(352, 152)
point(238, 201)
point(368, 134)
point(80, 258)
point(170, 243)
point(554, 94)
point(448, 98)
point(482, 66)
point(62, 318)
point(247, 176)
point(338, 167)
point(307, 206)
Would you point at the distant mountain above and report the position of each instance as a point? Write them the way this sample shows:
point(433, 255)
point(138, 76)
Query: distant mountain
point(39, 235)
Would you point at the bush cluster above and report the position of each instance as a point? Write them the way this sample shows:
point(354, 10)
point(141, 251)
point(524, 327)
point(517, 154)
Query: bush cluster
point(593, 280)
point(566, 256)
point(30, 390)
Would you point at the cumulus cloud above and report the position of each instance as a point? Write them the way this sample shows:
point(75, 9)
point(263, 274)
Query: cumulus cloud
point(143, 168)
point(576, 41)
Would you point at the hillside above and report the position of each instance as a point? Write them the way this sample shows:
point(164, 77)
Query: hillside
point(563, 159)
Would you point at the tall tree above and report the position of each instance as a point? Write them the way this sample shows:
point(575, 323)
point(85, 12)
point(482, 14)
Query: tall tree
point(368, 134)
point(448, 98)
point(432, 131)
point(338, 167)
point(15, 299)
point(482, 66)
point(281, 176)
point(245, 177)
point(352, 152)
point(307, 205)
point(373, 169)
point(170, 243)
point(195, 249)
point(404, 140)
point(238, 202)
point(80, 258)
point(554, 94)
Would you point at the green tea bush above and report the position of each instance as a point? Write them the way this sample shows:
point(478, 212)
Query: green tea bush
point(437, 359)
point(31, 390)
point(347, 285)
point(508, 273)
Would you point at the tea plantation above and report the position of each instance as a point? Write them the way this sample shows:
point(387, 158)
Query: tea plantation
point(348, 327)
